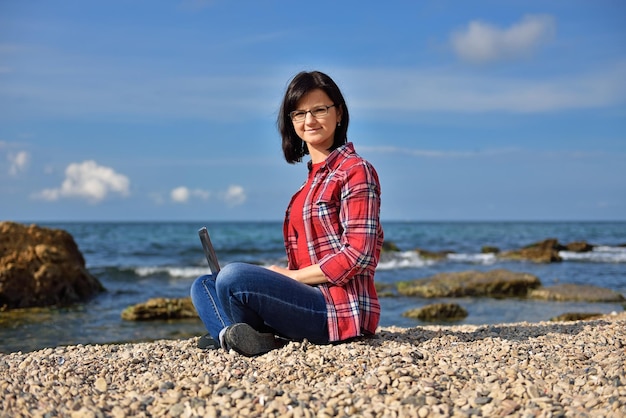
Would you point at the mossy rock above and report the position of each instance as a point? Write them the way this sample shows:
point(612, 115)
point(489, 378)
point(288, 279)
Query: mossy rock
point(546, 251)
point(159, 309)
point(569, 292)
point(579, 247)
point(433, 255)
point(390, 247)
point(438, 312)
point(498, 283)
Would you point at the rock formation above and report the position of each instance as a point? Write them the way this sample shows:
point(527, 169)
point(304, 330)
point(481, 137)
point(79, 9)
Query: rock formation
point(569, 292)
point(546, 251)
point(494, 283)
point(160, 308)
point(41, 267)
point(438, 312)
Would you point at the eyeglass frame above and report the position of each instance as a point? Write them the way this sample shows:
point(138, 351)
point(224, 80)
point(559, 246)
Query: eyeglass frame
point(301, 114)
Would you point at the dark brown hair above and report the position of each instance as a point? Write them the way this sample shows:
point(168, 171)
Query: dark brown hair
point(294, 147)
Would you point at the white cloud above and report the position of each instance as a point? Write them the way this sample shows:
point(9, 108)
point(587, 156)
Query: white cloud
point(402, 92)
point(182, 194)
point(416, 152)
point(482, 42)
point(18, 162)
point(89, 181)
point(234, 196)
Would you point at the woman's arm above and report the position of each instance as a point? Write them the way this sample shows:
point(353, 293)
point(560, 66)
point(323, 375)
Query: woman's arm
point(309, 275)
point(361, 233)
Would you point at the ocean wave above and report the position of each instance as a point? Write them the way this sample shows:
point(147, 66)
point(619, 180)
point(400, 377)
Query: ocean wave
point(402, 260)
point(178, 272)
point(485, 259)
point(599, 254)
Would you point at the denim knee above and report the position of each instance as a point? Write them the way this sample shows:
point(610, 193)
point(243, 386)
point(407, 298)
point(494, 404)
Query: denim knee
point(207, 304)
point(196, 289)
point(229, 274)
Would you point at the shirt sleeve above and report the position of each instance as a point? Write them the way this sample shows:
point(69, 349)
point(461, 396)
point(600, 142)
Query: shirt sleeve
point(360, 225)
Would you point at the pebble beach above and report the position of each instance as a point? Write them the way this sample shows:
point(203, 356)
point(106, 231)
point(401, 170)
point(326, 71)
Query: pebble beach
point(544, 369)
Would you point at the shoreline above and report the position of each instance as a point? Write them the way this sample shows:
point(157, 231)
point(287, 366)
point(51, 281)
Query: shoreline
point(538, 369)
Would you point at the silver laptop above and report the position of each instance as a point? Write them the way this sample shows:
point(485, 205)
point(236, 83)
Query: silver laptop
point(209, 251)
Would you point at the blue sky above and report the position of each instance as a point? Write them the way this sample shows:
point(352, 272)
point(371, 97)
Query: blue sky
point(165, 110)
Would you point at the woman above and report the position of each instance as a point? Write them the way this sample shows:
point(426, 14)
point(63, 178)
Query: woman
point(332, 236)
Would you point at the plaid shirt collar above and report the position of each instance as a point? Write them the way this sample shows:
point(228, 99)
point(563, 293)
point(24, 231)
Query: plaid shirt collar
point(336, 157)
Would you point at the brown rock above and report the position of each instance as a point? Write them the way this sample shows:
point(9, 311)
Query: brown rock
point(433, 255)
point(546, 251)
point(488, 249)
point(568, 292)
point(41, 267)
point(438, 312)
point(494, 283)
point(389, 246)
point(160, 308)
point(575, 316)
point(579, 247)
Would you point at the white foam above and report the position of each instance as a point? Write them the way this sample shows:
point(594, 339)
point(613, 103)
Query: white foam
point(402, 260)
point(485, 259)
point(599, 254)
point(172, 271)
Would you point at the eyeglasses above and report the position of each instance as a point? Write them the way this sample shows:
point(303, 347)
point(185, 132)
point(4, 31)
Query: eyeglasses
point(316, 112)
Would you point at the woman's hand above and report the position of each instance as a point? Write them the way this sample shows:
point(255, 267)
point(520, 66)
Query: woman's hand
point(308, 275)
point(282, 270)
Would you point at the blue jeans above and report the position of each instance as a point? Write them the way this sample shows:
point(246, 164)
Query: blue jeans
point(266, 300)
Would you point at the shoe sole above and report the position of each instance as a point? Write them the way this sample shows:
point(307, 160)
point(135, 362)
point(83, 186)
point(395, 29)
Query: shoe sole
point(247, 341)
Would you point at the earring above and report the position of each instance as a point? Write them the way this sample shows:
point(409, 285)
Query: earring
point(339, 124)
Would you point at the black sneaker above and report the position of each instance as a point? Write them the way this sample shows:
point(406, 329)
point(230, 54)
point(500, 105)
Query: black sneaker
point(246, 340)
point(206, 342)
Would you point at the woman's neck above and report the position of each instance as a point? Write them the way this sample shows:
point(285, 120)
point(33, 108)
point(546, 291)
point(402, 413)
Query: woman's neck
point(317, 155)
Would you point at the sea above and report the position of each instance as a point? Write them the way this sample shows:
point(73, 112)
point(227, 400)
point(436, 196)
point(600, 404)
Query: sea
point(136, 261)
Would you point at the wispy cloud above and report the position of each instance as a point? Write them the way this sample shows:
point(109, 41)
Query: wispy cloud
point(483, 42)
point(18, 162)
point(487, 153)
point(90, 181)
point(402, 92)
point(76, 86)
point(416, 152)
point(182, 194)
point(235, 195)
point(389, 92)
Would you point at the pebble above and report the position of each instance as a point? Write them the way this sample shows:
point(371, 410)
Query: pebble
point(518, 370)
point(101, 384)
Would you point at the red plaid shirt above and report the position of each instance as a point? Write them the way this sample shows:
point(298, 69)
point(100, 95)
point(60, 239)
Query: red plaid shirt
point(342, 226)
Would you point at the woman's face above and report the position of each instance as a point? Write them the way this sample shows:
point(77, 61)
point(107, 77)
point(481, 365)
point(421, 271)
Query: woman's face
point(318, 133)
